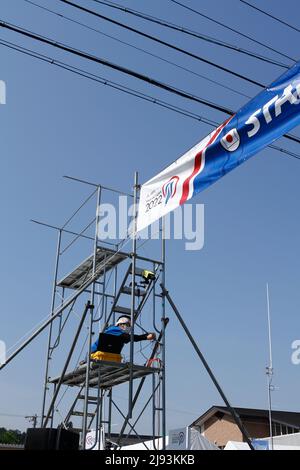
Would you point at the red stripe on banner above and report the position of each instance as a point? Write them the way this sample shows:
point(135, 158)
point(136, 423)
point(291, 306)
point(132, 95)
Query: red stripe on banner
point(197, 163)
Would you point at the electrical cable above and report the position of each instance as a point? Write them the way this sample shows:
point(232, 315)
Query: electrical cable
point(112, 65)
point(106, 82)
point(172, 46)
point(232, 29)
point(271, 16)
point(189, 32)
point(138, 49)
point(164, 43)
point(120, 68)
point(127, 90)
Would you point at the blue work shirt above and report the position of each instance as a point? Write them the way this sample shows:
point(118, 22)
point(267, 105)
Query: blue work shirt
point(117, 331)
point(111, 330)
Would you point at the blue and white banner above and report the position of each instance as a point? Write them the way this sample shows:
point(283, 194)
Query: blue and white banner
point(265, 118)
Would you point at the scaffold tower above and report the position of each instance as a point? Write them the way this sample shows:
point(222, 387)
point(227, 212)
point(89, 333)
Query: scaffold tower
point(85, 394)
point(92, 382)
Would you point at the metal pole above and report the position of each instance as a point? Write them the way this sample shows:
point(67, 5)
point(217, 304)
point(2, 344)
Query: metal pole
point(97, 426)
point(104, 298)
point(90, 331)
point(234, 414)
point(109, 414)
point(155, 389)
point(87, 308)
point(56, 344)
point(97, 185)
point(163, 277)
point(270, 369)
point(270, 411)
point(114, 290)
point(139, 389)
point(102, 428)
point(132, 313)
point(153, 412)
point(130, 425)
point(51, 325)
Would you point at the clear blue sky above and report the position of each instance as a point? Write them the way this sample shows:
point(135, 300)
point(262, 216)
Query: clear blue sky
point(56, 123)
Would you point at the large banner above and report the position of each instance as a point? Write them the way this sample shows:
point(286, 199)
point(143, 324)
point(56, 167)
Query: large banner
point(265, 118)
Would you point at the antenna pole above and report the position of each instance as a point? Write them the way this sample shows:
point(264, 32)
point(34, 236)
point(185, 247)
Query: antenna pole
point(269, 369)
point(132, 316)
point(232, 411)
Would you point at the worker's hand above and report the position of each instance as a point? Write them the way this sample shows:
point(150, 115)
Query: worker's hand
point(151, 336)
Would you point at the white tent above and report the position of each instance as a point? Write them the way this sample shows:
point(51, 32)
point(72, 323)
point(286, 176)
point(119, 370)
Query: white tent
point(178, 439)
point(233, 445)
point(284, 442)
point(147, 445)
point(292, 440)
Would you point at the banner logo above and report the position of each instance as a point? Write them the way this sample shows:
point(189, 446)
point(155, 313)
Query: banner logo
point(265, 118)
point(169, 188)
point(231, 141)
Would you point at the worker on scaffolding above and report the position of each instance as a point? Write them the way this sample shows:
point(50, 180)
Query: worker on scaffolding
point(109, 345)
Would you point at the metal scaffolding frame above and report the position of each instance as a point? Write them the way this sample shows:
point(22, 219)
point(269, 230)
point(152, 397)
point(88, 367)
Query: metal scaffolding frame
point(94, 381)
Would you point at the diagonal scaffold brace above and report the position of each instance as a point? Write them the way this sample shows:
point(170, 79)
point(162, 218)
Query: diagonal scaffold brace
point(232, 411)
point(139, 389)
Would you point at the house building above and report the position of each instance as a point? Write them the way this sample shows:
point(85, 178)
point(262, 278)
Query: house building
point(218, 426)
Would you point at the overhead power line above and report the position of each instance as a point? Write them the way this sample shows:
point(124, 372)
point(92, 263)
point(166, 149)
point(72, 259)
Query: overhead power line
point(229, 28)
point(83, 25)
point(122, 69)
point(271, 16)
point(106, 82)
point(172, 89)
point(164, 43)
point(124, 89)
point(189, 32)
point(13, 415)
point(288, 152)
point(112, 65)
point(215, 106)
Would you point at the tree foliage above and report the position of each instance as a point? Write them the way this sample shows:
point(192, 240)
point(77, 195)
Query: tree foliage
point(11, 436)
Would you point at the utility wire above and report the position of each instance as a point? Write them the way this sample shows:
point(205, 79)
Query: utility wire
point(292, 137)
point(137, 48)
point(288, 152)
point(189, 32)
point(289, 136)
point(92, 12)
point(144, 51)
point(113, 66)
point(104, 81)
point(231, 29)
point(164, 43)
point(271, 16)
point(128, 90)
point(174, 90)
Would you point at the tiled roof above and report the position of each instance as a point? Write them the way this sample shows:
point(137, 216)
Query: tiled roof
point(287, 418)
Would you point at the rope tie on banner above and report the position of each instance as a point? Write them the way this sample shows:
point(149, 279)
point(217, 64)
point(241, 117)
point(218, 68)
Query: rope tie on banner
point(151, 361)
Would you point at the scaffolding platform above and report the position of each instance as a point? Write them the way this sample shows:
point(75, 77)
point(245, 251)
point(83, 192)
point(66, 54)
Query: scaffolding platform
point(106, 259)
point(105, 374)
